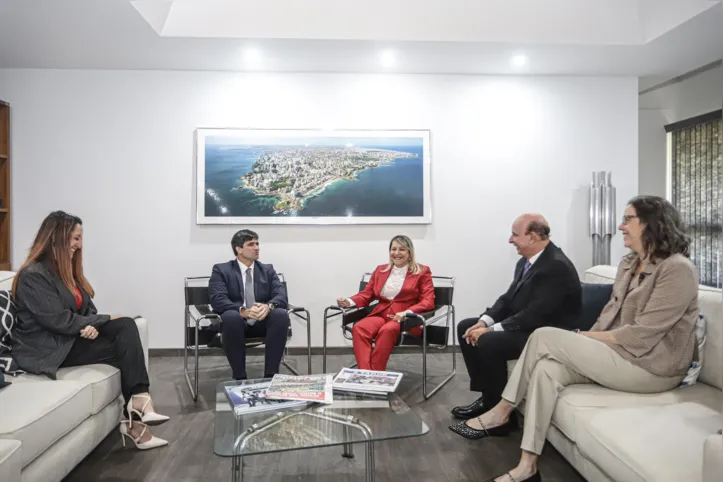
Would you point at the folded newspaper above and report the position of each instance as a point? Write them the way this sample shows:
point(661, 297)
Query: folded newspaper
point(307, 388)
point(366, 381)
point(252, 398)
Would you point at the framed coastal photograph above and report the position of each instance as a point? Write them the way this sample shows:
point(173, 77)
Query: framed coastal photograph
point(291, 176)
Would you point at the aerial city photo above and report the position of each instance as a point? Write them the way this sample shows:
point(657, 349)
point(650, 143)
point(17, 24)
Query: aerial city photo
point(313, 176)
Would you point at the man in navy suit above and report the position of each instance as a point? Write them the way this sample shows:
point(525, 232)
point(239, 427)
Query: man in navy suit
point(252, 302)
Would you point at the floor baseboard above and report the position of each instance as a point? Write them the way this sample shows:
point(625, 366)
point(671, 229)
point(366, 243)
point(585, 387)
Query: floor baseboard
point(293, 350)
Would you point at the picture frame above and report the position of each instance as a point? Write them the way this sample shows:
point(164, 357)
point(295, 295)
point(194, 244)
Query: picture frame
point(312, 176)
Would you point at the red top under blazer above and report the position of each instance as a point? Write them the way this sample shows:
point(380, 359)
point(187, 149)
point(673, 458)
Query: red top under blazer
point(417, 294)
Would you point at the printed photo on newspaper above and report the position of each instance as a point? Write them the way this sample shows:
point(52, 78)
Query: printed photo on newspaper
point(366, 381)
point(252, 398)
point(307, 388)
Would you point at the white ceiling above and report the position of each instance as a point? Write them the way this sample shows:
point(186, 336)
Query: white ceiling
point(645, 38)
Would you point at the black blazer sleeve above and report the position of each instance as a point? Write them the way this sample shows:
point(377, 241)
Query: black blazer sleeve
point(40, 297)
point(502, 309)
point(552, 288)
point(218, 292)
point(278, 293)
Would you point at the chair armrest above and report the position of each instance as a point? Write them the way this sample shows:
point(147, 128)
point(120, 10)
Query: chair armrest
point(142, 325)
point(294, 309)
point(10, 460)
point(413, 320)
point(713, 458)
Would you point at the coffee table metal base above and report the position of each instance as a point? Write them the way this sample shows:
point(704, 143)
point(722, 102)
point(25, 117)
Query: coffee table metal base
point(349, 422)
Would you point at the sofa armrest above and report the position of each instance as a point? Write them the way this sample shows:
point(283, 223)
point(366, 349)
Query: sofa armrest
point(143, 331)
point(10, 460)
point(713, 458)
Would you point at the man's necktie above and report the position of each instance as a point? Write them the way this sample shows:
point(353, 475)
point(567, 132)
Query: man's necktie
point(249, 298)
point(527, 267)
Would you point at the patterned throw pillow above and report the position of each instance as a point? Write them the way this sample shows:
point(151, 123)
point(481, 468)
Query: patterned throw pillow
point(7, 321)
point(700, 335)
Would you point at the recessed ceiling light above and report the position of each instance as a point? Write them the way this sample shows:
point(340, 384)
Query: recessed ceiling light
point(252, 57)
point(387, 58)
point(519, 60)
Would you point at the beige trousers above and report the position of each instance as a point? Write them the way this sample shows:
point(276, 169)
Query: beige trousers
point(555, 358)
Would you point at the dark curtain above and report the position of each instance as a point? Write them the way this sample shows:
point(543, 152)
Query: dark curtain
point(696, 182)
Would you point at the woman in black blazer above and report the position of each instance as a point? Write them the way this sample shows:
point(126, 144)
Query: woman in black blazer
point(59, 326)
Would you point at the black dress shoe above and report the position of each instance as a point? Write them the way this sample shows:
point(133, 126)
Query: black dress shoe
point(534, 478)
point(466, 431)
point(474, 409)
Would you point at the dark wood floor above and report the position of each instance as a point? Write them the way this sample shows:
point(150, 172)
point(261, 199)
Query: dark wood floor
point(438, 456)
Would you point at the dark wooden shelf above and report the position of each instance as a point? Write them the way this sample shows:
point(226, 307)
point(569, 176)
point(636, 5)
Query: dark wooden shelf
point(3, 210)
point(3, 156)
point(5, 266)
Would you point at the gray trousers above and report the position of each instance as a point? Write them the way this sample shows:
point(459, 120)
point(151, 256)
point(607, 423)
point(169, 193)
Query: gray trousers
point(555, 358)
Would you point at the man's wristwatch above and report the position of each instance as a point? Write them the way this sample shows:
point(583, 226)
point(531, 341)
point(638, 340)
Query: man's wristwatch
point(272, 306)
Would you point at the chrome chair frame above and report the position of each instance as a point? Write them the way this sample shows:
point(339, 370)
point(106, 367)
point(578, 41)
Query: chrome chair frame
point(425, 320)
point(190, 320)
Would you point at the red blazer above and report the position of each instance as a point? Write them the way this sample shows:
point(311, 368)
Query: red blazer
point(417, 293)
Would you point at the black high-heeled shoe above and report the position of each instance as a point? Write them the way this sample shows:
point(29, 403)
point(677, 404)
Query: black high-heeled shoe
point(534, 478)
point(473, 434)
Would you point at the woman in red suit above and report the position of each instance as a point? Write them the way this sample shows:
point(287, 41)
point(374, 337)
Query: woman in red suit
point(402, 286)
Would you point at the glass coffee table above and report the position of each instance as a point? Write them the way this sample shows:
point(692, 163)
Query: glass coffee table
point(352, 419)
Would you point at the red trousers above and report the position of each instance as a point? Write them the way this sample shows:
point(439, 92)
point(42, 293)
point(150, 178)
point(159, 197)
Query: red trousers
point(384, 332)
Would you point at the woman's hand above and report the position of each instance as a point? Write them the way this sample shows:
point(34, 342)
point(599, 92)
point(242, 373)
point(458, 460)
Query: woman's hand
point(604, 336)
point(343, 302)
point(89, 332)
point(399, 316)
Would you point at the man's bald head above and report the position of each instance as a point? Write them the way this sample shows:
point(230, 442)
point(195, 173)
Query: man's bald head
point(530, 234)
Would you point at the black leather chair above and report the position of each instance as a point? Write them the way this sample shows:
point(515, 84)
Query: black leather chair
point(433, 336)
point(198, 311)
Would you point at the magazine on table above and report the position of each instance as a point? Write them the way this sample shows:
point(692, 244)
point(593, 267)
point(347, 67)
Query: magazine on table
point(307, 388)
point(252, 398)
point(366, 381)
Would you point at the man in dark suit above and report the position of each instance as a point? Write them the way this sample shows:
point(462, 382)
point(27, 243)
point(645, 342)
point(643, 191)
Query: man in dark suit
point(252, 302)
point(545, 291)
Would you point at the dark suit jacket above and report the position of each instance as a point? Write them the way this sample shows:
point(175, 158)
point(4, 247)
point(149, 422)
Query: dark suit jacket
point(226, 286)
point(48, 320)
point(549, 294)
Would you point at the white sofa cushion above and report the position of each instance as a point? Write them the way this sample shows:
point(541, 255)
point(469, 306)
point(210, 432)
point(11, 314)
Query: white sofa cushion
point(713, 458)
point(619, 440)
point(39, 413)
point(10, 453)
point(578, 404)
point(104, 381)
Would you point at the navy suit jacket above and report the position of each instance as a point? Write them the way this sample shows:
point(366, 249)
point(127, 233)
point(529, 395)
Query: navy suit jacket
point(226, 287)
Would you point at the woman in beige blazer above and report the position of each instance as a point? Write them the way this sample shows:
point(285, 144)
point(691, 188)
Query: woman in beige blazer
point(643, 341)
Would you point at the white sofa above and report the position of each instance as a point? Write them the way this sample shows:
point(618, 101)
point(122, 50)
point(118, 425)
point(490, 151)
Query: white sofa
point(614, 436)
point(48, 426)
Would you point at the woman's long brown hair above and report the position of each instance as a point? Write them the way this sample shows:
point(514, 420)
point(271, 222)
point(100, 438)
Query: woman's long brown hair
point(52, 246)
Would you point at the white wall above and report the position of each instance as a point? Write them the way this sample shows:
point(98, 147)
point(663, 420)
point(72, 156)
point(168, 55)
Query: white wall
point(116, 148)
point(692, 97)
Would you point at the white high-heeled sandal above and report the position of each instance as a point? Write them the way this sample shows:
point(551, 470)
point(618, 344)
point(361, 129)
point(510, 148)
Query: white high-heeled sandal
point(150, 418)
point(150, 444)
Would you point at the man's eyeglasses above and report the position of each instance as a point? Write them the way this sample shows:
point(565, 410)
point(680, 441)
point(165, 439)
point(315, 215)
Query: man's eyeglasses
point(627, 219)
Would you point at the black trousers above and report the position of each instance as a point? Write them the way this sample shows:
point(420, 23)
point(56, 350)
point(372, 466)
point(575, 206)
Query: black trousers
point(234, 331)
point(487, 362)
point(118, 344)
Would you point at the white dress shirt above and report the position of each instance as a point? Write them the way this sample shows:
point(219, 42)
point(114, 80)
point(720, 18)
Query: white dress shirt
point(393, 285)
point(487, 320)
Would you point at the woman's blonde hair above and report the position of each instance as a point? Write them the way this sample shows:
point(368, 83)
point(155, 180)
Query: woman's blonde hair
point(414, 268)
